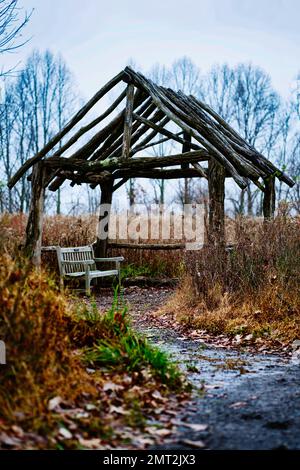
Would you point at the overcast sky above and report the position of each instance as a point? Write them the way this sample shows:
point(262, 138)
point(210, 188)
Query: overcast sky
point(98, 37)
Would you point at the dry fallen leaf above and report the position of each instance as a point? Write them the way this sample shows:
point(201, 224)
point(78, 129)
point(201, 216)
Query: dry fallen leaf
point(196, 444)
point(54, 403)
point(238, 404)
point(17, 430)
point(112, 387)
point(65, 433)
point(196, 427)
point(156, 394)
point(118, 409)
point(8, 441)
point(90, 443)
point(158, 431)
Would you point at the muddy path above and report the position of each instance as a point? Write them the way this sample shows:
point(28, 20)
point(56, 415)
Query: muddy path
point(241, 399)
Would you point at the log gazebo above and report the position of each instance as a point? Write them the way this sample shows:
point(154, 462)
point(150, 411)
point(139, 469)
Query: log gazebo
point(108, 158)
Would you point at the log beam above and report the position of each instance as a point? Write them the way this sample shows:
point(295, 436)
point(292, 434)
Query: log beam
point(128, 121)
point(100, 246)
point(83, 166)
point(269, 198)
point(216, 188)
point(33, 242)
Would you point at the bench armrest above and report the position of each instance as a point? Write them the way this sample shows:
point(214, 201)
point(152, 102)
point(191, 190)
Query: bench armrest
point(115, 258)
point(85, 262)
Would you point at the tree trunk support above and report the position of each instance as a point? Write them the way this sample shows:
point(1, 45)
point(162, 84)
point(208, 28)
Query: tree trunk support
point(269, 198)
point(216, 188)
point(33, 243)
point(100, 247)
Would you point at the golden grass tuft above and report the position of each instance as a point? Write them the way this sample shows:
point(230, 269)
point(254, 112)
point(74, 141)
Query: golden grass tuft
point(40, 359)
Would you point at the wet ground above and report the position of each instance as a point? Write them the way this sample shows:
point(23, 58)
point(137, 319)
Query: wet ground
point(241, 400)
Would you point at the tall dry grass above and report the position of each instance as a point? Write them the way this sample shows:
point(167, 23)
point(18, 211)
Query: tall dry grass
point(81, 230)
point(252, 288)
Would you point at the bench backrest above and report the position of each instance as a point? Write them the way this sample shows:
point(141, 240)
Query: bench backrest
point(80, 253)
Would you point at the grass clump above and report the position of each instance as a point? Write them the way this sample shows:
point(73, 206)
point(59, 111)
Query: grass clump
point(124, 349)
point(251, 289)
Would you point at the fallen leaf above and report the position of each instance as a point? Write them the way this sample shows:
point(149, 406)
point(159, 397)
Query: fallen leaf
point(17, 430)
point(9, 441)
point(156, 394)
point(196, 444)
point(118, 409)
point(65, 433)
point(54, 403)
point(238, 404)
point(90, 443)
point(158, 431)
point(196, 427)
point(90, 407)
point(112, 387)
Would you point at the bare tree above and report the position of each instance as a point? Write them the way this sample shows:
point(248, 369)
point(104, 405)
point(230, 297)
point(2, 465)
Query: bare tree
point(217, 88)
point(11, 26)
point(34, 106)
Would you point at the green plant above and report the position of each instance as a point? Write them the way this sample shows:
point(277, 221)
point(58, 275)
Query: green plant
point(122, 347)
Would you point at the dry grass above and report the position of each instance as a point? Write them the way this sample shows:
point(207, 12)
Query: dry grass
point(77, 231)
point(50, 342)
point(255, 288)
point(40, 357)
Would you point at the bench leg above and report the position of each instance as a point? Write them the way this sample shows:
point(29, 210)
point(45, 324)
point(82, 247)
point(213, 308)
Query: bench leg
point(119, 275)
point(87, 282)
point(61, 283)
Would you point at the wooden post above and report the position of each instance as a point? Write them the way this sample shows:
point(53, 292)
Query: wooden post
point(216, 188)
point(100, 247)
point(269, 198)
point(33, 243)
point(128, 121)
point(186, 147)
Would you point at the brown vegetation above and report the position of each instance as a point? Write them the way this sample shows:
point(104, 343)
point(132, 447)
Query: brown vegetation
point(64, 358)
point(252, 289)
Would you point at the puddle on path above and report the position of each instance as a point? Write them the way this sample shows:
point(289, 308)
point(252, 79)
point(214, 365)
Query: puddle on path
point(210, 367)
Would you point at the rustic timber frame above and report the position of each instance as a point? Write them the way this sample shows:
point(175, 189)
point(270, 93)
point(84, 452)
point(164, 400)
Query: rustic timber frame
point(108, 158)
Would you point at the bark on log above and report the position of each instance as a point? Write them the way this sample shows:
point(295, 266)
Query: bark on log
point(116, 138)
point(161, 130)
point(216, 188)
point(269, 199)
point(34, 228)
point(100, 247)
point(137, 131)
point(116, 164)
point(155, 173)
point(128, 121)
point(143, 145)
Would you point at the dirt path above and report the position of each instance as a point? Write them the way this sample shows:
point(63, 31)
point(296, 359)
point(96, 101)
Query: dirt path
point(241, 399)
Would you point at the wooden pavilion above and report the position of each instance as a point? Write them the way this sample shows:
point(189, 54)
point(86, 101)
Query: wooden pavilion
point(108, 158)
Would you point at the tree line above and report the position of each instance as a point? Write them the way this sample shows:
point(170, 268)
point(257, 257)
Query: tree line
point(36, 103)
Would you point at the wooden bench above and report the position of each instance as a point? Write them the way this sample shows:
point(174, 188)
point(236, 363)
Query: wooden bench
point(80, 263)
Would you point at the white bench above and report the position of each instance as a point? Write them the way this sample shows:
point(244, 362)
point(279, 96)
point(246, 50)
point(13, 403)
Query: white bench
point(80, 263)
